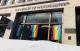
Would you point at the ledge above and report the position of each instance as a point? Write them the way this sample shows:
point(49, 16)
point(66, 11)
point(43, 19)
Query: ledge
point(26, 4)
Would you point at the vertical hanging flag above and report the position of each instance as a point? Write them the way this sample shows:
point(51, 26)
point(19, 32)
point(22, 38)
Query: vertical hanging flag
point(59, 33)
point(34, 31)
point(56, 30)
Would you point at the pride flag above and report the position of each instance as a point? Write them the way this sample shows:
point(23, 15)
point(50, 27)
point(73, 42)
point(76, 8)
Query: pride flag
point(34, 31)
point(56, 31)
point(59, 33)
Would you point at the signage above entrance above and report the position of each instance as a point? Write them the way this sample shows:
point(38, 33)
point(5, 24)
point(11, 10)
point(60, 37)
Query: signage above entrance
point(42, 6)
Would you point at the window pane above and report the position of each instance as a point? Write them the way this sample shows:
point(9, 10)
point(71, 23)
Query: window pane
point(0, 1)
point(56, 18)
point(29, 0)
point(5, 2)
point(13, 1)
point(21, 1)
point(38, 18)
point(31, 32)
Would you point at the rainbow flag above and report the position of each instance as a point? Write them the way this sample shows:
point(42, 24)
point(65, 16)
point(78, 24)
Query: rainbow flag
point(34, 31)
point(56, 30)
point(59, 33)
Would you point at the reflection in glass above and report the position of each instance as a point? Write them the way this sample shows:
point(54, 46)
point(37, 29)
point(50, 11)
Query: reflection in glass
point(38, 18)
point(56, 18)
point(5, 2)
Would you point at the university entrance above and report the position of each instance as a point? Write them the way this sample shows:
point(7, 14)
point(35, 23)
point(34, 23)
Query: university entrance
point(38, 26)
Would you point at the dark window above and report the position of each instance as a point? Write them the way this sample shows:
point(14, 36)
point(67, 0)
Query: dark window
point(36, 26)
point(21, 1)
point(0, 1)
point(5, 2)
point(56, 18)
point(29, 0)
point(13, 1)
point(32, 32)
point(38, 18)
point(31, 29)
point(69, 37)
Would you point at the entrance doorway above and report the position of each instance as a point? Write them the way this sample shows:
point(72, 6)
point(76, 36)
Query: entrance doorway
point(78, 25)
point(38, 26)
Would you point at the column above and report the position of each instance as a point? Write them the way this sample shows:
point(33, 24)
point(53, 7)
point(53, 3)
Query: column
point(69, 26)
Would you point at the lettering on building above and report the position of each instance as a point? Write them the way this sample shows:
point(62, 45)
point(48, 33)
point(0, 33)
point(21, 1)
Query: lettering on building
point(42, 6)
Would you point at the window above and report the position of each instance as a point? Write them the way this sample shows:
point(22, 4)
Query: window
point(56, 18)
point(31, 26)
point(5, 2)
point(0, 1)
point(37, 18)
point(69, 37)
point(21, 1)
point(29, 0)
point(38, 26)
point(32, 32)
point(13, 1)
point(56, 27)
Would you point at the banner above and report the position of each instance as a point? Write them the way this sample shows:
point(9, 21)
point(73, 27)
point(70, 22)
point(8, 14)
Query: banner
point(34, 30)
point(56, 31)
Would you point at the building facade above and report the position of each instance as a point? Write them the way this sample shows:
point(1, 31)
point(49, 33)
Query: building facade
point(53, 20)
